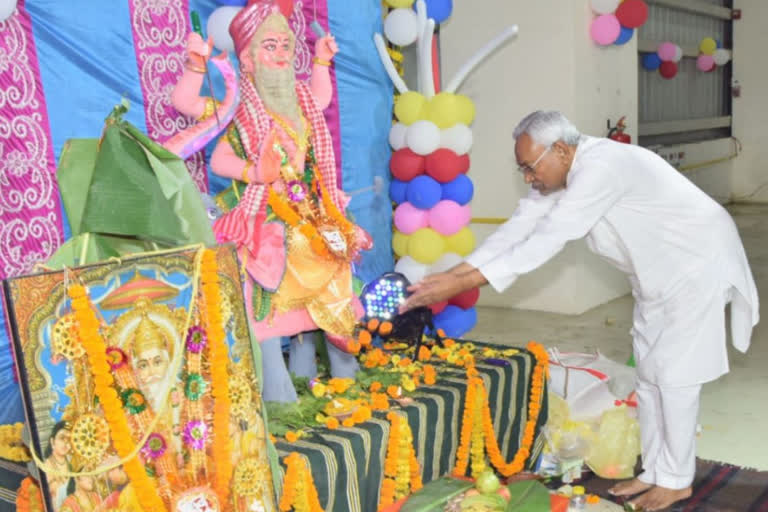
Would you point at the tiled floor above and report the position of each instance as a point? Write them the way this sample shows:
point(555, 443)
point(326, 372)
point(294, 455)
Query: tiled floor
point(734, 409)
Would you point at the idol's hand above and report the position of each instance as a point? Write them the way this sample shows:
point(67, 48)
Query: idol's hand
point(198, 51)
point(326, 48)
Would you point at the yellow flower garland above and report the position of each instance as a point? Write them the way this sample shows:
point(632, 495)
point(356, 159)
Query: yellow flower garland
point(11, 445)
point(122, 441)
point(218, 359)
point(402, 473)
point(477, 434)
point(299, 492)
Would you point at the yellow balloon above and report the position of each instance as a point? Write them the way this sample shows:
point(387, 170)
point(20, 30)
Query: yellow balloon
point(443, 110)
point(708, 46)
point(462, 243)
point(398, 4)
point(426, 246)
point(465, 109)
point(400, 243)
point(410, 107)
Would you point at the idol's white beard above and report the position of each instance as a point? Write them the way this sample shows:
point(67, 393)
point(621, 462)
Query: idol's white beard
point(277, 89)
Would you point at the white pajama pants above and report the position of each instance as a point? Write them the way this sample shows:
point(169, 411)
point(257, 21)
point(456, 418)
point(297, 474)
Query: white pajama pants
point(668, 418)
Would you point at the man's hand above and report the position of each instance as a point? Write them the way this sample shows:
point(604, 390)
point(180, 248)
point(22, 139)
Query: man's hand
point(326, 48)
point(435, 288)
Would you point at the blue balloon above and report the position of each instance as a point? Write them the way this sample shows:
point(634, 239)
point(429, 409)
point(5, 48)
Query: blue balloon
point(651, 61)
point(455, 321)
point(397, 190)
point(439, 10)
point(624, 36)
point(459, 190)
point(423, 192)
point(235, 3)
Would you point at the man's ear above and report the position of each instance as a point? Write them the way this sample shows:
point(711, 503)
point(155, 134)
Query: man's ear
point(561, 150)
point(246, 62)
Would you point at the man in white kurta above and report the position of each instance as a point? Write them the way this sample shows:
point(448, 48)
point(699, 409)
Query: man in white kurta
point(679, 248)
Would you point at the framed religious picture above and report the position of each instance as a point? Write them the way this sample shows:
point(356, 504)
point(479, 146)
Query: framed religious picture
point(140, 386)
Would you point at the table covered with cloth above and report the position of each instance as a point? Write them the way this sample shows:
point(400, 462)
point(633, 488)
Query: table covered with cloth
point(347, 464)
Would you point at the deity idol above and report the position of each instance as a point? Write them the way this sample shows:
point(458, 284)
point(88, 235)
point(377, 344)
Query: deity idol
point(289, 226)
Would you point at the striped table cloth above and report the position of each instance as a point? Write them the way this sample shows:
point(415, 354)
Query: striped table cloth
point(347, 464)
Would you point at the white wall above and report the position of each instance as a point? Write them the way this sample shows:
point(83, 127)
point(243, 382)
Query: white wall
point(750, 111)
point(552, 65)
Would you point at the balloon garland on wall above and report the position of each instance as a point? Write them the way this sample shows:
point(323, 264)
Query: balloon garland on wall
point(668, 55)
point(616, 20)
point(431, 139)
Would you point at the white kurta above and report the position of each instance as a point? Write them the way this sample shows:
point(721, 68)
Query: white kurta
point(680, 249)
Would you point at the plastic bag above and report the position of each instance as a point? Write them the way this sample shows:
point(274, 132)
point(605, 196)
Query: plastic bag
point(616, 446)
point(609, 444)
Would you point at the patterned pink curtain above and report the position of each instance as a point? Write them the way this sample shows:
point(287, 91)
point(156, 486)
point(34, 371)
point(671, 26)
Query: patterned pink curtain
point(160, 32)
point(30, 213)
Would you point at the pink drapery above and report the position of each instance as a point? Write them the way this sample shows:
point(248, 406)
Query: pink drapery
point(160, 31)
point(30, 212)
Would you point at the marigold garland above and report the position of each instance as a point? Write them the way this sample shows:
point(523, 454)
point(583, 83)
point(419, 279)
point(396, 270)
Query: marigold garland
point(28, 497)
point(218, 359)
point(122, 441)
point(11, 445)
point(477, 434)
point(299, 492)
point(402, 473)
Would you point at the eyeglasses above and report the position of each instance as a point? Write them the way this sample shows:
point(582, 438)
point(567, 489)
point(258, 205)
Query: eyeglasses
point(524, 169)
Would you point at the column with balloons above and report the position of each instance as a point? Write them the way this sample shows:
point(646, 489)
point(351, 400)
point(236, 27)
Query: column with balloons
point(431, 139)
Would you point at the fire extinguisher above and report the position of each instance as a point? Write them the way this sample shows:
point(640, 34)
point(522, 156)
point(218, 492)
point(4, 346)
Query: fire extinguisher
point(617, 132)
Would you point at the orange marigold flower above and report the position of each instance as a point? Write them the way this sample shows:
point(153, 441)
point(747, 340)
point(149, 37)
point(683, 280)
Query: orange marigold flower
point(593, 499)
point(449, 342)
point(291, 436)
point(404, 362)
point(385, 329)
point(365, 338)
point(349, 422)
point(332, 423)
point(394, 391)
point(373, 324)
point(375, 386)
point(424, 353)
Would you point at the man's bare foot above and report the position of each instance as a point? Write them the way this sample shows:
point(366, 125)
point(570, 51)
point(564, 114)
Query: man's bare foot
point(660, 498)
point(629, 488)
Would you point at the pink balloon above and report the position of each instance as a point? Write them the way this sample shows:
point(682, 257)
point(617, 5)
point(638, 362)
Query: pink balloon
point(667, 51)
point(409, 219)
point(605, 29)
point(705, 62)
point(449, 217)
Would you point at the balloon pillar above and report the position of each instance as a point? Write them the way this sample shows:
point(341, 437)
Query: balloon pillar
point(431, 140)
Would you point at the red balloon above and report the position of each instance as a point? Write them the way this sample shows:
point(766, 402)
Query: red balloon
point(406, 165)
point(439, 307)
point(444, 165)
point(467, 299)
point(668, 69)
point(632, 13)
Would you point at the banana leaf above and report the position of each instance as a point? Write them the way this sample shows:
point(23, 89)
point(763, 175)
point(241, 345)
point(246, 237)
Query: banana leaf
point(435, 495)
point(528, 496)
point(127, 185)
point(87, 248)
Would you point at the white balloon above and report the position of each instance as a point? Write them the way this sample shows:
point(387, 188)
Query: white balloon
point(721, 56)
point(457, 138)
point(397, 136)
point(604, 6)
point(423, 137)
point(218, 27)
point(401, 27)
point(411, 269)
point(7, 8)
point(446, 262)
point(678, 54)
